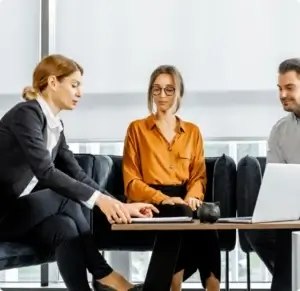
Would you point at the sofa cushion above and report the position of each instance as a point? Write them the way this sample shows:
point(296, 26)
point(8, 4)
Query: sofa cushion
point(224, 191)
point(16, 255)
point(224, 185)
point(210, 168)
point(101, 170)
point(262, 162)
point(249, 177)
point(115, 182)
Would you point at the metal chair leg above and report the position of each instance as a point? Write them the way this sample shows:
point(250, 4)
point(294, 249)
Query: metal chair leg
point(248, 273)
point(227, 271)
point(45, 275)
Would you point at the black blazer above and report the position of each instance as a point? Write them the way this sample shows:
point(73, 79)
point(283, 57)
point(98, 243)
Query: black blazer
point(23, 154)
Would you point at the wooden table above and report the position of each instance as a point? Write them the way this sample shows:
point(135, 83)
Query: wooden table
point(196, 225)
point(164, 256)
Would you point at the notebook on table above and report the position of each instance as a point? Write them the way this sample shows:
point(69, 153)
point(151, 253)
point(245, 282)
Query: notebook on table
point(179, 219)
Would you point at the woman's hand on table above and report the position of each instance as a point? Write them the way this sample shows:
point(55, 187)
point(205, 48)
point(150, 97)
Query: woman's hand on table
point(173, 201)
point(114, 210)
point(141, 210)
point(194, 203)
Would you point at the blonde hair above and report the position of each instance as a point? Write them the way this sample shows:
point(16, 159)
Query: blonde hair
point(52, 65)
point(29, 93)
point(177, 79)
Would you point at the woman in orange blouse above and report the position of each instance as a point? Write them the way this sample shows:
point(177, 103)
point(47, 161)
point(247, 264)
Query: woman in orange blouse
point(163, 164)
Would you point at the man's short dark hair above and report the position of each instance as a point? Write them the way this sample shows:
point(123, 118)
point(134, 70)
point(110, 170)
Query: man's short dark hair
point(290, 65)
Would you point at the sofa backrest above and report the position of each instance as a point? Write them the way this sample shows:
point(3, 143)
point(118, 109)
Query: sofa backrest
point(223, 183)
point(95, 167)
point(115, 183)
point(221, 186)
point(250, 171)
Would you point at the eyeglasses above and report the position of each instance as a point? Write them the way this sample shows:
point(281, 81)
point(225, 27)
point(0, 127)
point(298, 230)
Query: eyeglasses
point(169, 91)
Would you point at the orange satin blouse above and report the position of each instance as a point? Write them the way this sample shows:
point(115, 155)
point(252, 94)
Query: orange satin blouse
point(148, 158)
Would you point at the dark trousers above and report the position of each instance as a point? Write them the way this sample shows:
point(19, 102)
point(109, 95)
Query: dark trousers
point(51, 223)
point(200, 250)
point(274, 249)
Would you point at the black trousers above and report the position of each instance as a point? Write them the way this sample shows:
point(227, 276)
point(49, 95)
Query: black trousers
point(200, 250)
point(274, 249)
point(51, 223)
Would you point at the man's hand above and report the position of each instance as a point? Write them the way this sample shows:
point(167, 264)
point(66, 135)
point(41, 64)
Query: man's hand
point(194, 203)
point(173, 201)
point(140, 210)
point(114, 210)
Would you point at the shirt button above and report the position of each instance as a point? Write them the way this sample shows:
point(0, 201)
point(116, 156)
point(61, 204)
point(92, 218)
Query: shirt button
point(170, 149)
point(171, 167)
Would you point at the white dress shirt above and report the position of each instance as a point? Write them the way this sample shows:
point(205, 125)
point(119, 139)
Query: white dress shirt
point(54, 128)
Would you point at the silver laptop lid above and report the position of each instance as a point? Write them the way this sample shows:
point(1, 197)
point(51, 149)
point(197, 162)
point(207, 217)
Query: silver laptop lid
point(279, 194)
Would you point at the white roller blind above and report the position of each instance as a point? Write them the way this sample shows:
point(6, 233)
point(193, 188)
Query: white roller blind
point(217, 45)
point(19, 43)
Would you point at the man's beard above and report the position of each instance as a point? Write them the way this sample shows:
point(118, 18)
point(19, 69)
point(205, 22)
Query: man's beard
point(290, 105)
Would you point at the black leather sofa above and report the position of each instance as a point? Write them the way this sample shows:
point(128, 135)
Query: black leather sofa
point(250, 171)
point(107, 172)
point(221, 186)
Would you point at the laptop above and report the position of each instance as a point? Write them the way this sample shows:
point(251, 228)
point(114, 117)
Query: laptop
point(278, 198)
